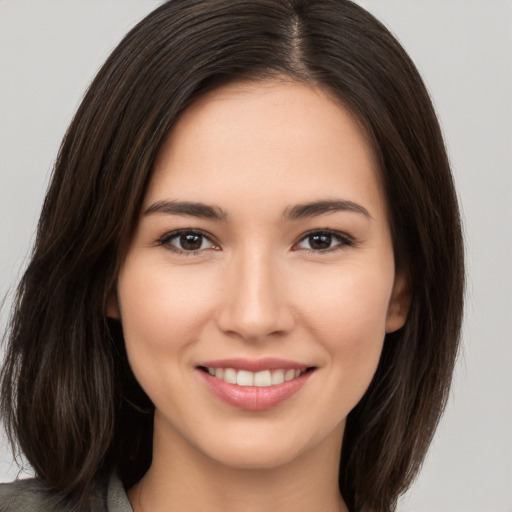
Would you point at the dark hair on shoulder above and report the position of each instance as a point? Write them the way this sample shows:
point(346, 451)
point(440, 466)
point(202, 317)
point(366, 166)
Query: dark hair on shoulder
point(68, 396)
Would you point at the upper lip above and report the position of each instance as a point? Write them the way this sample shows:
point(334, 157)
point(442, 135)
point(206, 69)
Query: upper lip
point(255, 365)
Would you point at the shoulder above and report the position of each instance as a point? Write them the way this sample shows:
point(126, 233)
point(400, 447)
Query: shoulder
point(33, 495)
point(29, 496)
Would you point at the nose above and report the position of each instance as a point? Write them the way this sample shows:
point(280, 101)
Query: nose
point(255, 304)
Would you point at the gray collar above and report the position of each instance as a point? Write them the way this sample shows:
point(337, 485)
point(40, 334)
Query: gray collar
point(117, 501)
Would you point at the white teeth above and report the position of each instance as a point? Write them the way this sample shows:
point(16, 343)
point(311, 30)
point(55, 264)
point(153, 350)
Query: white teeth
point(230, 375)
point(245, 378)
point(289, 375)
point(277, 376)
point(264, 378)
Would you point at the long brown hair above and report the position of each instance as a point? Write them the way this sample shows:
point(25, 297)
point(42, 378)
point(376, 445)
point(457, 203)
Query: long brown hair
point(69, 398)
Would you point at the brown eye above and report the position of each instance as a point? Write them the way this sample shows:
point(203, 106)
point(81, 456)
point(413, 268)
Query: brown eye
point(323, 241)
point(186, 242)
point(191, 242)
point(320, 241)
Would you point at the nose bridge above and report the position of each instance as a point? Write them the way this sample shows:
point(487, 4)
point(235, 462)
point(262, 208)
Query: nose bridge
point(255, 304)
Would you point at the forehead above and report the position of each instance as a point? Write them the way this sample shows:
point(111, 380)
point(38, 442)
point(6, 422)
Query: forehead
point(280, 138)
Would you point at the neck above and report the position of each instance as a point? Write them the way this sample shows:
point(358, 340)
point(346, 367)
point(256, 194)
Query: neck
point(182, 478)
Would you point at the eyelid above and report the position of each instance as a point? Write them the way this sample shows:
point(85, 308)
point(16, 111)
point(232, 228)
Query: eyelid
point(166, 238)
point(344, 240)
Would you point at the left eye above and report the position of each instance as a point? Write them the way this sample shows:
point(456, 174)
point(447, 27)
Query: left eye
point(321, 241)
point(187, 241)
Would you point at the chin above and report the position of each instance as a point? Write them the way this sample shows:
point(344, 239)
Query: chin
point(252, 455)
point(267, 448)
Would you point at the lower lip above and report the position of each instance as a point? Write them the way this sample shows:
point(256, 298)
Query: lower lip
point(254, 398)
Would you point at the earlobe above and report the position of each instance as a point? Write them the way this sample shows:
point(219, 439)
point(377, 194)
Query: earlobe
point(399, 304)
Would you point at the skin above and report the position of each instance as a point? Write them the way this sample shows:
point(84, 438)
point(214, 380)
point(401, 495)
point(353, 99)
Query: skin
point(257, 287)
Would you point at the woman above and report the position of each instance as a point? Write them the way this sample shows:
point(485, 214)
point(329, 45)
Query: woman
point(248, 265)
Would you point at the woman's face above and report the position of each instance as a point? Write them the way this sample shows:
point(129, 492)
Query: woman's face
point(263, 255)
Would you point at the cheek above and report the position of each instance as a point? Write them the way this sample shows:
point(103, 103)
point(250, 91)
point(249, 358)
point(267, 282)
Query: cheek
point(349, 296)
point(162, 310)
point(346, 311)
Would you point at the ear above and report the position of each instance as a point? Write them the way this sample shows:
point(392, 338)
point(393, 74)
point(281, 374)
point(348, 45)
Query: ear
point(113, 306)
point(399, 303)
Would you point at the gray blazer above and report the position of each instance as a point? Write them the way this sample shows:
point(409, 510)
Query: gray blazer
point(33, 496)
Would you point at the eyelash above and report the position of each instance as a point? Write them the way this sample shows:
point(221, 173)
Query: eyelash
point(343, 241)
point(166, 240)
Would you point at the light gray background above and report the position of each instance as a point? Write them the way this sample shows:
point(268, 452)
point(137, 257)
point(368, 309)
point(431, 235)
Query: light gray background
point(50, 50)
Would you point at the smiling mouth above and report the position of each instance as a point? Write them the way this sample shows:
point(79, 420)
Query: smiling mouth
point(264, 378)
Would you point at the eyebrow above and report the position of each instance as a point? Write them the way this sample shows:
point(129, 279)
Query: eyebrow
point(299, 211)
point(317, 208)
point(189, 209)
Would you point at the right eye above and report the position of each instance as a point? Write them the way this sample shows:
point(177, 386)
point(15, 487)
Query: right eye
point(186, 242)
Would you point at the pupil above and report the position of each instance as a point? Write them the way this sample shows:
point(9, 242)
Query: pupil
point(320, 241)
point(190, 242)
